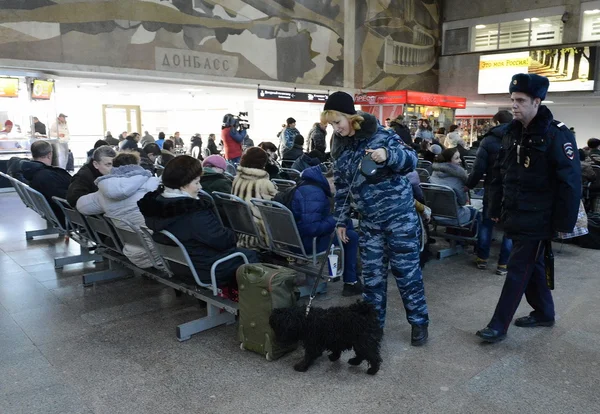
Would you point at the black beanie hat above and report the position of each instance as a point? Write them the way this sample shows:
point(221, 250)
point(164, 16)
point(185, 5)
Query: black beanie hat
point(533, 85)
point(298, 140)
point(254, 157)
point(341, 102)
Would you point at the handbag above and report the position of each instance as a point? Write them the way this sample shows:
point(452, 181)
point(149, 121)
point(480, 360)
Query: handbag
point(581, 226)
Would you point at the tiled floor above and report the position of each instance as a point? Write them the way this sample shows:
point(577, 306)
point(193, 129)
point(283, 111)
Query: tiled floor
point(112, 348)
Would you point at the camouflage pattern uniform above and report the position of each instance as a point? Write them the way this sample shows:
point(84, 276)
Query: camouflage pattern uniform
point(389, 228)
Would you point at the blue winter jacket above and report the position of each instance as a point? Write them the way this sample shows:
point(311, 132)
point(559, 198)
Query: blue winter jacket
point(311, 206)
point(384, 201)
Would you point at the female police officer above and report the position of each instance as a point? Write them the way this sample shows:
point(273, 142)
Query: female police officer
point(389, 229)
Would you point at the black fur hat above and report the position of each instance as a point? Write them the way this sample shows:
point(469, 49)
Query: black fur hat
point(533, 85)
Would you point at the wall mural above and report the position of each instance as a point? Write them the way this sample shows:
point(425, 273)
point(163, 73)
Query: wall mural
point(397, 41)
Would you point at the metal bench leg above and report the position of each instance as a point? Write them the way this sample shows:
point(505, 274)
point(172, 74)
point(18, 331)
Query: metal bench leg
point(115, 271)
point(29, 235)
point(451, 251)
point(305, 290)
point(214, 318)
point(84, 256)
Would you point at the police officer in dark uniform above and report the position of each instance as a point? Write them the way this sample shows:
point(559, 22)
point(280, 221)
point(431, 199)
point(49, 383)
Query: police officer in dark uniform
point(535, 192)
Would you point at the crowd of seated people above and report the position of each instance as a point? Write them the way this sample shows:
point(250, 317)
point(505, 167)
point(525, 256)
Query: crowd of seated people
point(123, 185)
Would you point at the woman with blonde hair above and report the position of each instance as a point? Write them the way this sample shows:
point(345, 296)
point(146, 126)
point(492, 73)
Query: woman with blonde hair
point(390, 228)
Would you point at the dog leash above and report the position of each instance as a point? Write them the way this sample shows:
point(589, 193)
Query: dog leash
point(313, 292)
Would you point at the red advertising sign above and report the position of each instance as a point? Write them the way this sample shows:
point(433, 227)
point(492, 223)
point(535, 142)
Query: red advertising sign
point(380, 98)
point(410, 97)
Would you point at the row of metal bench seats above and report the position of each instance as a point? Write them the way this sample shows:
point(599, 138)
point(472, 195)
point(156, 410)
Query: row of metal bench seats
point(102, 238)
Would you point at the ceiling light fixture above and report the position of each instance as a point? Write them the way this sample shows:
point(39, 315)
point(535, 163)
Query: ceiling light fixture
point(479, 103)
point(546, 25)
point(547, 102)
point(595, 11)
point(533, 19)
point(480, 26)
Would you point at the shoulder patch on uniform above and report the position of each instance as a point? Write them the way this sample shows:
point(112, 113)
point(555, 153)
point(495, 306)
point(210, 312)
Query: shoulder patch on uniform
point(560, 124)
point(569, 150)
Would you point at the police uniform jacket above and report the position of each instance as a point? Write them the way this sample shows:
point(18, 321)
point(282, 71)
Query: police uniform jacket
point(385, 198)
point(536, 187)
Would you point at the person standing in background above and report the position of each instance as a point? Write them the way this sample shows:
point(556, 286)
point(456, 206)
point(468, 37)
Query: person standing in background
point(317, 138)
point(288, 135)
point(38, 126)
point(60, 129)
point(232, 141)
point(212, 146)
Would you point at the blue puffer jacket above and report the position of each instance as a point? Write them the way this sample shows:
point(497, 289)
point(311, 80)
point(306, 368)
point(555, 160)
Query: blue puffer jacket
point(311, 206)
point(386, 200)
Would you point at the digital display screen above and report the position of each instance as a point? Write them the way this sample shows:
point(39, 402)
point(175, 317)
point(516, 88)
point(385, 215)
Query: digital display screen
point(9, 87)
point(42, 89)
point(568, 69)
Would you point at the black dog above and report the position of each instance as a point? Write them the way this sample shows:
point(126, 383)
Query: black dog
point(335, 329)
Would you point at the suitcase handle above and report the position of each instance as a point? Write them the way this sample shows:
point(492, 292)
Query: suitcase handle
point(255, 278)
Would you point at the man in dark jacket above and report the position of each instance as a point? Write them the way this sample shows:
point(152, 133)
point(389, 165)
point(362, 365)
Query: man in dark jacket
point(83, 182)
point(110, 140)
point(212, 146)
point(402, 130)
point(43, 177)
point(38, 126)
point(536, 191)
point(292, 154)
point(148, 156)
point(484, 163)
point(131, 142)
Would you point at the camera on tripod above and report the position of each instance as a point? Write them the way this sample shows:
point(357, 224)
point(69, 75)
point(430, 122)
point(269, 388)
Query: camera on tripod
point(236, 121)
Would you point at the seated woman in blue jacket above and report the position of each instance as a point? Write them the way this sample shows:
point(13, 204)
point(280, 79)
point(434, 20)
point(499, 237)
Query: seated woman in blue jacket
point(311, 207)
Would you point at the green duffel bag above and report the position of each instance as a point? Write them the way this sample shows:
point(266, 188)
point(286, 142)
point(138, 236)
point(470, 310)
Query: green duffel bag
point(263, 287)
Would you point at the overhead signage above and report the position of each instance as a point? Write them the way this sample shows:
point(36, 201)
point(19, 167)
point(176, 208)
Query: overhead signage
point(410, 97)
point(433, 99)
point(380, 98)
point(276, 95)
point(42, 89)
point(9, 87)
point(568, 69)
point(178, 60)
